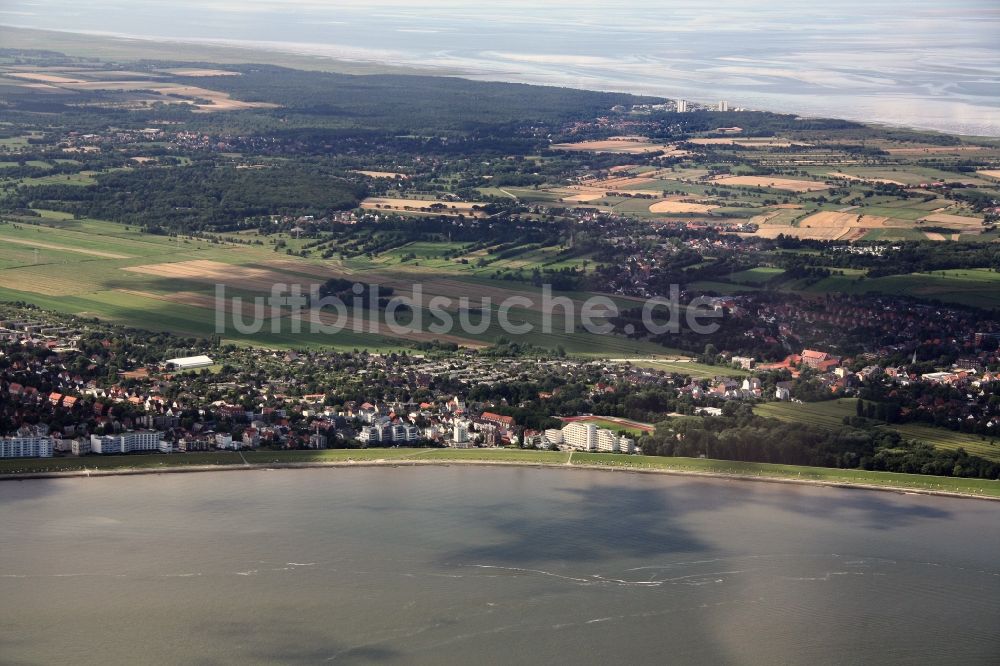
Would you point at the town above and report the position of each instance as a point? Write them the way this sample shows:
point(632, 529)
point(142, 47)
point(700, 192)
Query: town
point(74, 387)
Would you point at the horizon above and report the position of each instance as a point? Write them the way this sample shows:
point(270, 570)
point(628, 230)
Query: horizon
point(887, 62)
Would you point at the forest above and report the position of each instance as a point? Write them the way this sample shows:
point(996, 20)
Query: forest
point(201, 196)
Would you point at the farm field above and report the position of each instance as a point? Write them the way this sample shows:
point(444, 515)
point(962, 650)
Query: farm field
point(977, 287)
point(680, 207)
point(424, 206)
point(631, 145)
point(633, 428)
point(133, 89)
point(691, 368)
point(756, 276)
point(772, 182)
point(100, 269)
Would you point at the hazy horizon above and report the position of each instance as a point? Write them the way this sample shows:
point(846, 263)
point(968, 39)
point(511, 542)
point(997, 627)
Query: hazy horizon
point(915, 64)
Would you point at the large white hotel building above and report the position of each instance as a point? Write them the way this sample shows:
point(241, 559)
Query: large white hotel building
point(128, 442)
point(26, 447)
point(588, 437)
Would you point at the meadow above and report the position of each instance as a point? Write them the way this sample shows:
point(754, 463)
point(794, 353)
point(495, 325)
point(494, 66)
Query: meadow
point(726, 468)
point(118, 273)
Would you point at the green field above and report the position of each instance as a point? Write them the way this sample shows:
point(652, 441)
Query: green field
point(493, 455)
point(79, 267)
point(830, 415)
point(692, 369)
point(225, 458)
point(608, 424)
point(756, 276)
point(978, 287)
point(735, 469)
point(768, 471)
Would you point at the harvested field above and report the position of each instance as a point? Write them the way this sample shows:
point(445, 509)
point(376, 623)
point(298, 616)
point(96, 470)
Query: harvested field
point(254, 279)
point(42, 279)
point(425, 206)
point(772, 182)
point(65, 248)
point(44, 78)
point(955, 220)
point(383, 174)
point(847, 176)
point(215, 272)
point(933, 150)
point(829, 233)
point(748, 143)
point(829, 225)
point(680, 207)
point(830, 219)
point(203, 99)
point(633, 145)
point(990, 173)
point(183, 71)
point(584, 197)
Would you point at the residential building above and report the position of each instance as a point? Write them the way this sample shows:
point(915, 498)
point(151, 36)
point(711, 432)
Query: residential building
point(188, 363)
point(394, 433)
point(26, 447)
point(129, 442)
point(588, 437)
point(80, 446)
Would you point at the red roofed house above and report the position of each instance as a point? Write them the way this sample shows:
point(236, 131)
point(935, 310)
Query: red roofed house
point(497, 419)
point(817, 359)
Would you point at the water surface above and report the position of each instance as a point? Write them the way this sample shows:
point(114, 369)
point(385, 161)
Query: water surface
point(908, 62)
point(457, 565)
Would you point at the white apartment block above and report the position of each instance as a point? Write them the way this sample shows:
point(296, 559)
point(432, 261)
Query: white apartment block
point(588, 437)
point(129, 442)
point(80, 446)
point(26, 447)
point(398, 433)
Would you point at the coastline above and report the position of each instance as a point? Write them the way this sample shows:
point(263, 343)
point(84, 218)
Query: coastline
point(356, 60)
point(390, 462)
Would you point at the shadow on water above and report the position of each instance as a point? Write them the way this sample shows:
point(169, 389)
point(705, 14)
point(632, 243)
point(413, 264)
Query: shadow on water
point(286, 640)
point(642, 517)
point(585, 525)
point(866, 508)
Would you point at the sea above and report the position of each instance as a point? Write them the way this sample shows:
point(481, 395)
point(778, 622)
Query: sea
point(916, 63)
point(473, 565)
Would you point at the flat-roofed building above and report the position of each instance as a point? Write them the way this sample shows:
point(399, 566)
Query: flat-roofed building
point(188, 363)
point(129, 442)
point(26, 447)
point(588, 437)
